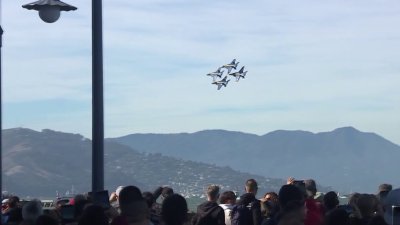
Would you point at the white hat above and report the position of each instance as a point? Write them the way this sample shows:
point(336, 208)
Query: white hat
point(119, 189)
point(4, 201)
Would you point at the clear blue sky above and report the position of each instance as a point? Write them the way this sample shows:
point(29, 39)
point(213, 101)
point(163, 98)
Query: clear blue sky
point(313, 65)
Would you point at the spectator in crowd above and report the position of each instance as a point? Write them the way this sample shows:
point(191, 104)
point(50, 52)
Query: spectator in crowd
point(133, 207)
point(210, 212)
point(314, 214)
point(227, 200)
point(162, 193)
point(269, 210)
point(31, 211)
point(366, 206)
point(249, 198)
point(174, 210)
point(292, 211)
point(155, 216)
point(331, 201)
point(269, 205)
point(383, 191)
point(13, 211)
point(114, 197)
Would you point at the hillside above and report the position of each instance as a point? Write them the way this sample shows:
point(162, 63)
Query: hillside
point(345, 158)
point(41, 163)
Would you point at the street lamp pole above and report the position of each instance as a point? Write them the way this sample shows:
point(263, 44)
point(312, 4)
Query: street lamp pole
point(1, 125)
point(97, 98)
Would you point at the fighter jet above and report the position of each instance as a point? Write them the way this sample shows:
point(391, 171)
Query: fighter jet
point(221, 83)
point(231, 65)
point(217, 73)
point(239, 74)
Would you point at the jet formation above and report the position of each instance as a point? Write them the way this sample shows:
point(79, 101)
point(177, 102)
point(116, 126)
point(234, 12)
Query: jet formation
point(228, 68)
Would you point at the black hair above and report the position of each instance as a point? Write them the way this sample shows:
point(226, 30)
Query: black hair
point(331, 200)
point(226, 196)
point(174, 210)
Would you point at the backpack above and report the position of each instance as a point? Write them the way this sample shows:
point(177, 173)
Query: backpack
point(241, 215)
point(204, 218)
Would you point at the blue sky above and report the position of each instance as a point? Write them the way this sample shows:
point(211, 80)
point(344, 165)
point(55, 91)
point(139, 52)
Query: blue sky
point(313, 65)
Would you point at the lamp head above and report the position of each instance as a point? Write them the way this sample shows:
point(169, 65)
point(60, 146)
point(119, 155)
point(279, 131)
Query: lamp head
point(49, 14)
point(49, 10)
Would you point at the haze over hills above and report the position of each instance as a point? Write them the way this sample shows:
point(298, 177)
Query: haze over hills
point(345, 158)
point(41, 163)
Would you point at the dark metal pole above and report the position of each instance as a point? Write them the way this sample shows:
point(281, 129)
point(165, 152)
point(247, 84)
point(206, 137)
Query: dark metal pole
point(1, 125)
point(97, 98)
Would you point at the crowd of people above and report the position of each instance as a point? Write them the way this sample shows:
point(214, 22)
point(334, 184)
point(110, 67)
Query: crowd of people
point(296, 203)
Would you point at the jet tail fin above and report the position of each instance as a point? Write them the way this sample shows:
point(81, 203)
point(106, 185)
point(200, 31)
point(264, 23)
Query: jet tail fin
point(236, 64)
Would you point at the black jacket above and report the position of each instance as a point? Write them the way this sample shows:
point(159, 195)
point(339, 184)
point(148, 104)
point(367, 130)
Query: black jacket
point(255, 206)
point(210, 213)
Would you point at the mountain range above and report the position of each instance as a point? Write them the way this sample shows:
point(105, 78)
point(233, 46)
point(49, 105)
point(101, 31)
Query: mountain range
point(345, 159)
point(44, 163)
point(40, 163)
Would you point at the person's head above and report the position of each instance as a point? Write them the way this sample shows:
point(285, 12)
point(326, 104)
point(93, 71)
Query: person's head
point(311, 188)
point(385, 188)
point(132, 204)
point(331, 200)
point(271, 196)
point(93, 215)
point(32, 210)
point(174, 210)
point(383, 191)
point(13, 202)
point(227, 197)
point(128, 195)
point(366, 203)
point(289, 197)
point(251, 186)
point(354, 198)
point(213, 193)
point(166, 191)
point(148, 196)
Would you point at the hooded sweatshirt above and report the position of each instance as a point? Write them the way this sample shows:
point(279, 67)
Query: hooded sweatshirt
point(255, 206)
point(210, 212)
